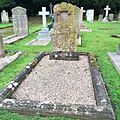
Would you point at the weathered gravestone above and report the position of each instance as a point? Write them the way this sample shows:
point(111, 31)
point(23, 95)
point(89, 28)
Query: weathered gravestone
point(20, 21)
point(111, 16)
point(90, 15)
point(64, 35)
point(100, 17)
point(1, 48)
point(4, 17)
point(106, 19)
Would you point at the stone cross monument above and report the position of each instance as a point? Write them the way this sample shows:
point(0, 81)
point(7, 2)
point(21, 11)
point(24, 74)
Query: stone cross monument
point(44, 13)
point(51, 11)
point(81, 18)
point(1, 48)
point(107, 9)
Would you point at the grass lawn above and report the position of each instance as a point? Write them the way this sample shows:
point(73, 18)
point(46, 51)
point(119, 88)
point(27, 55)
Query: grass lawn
point(4, 25)
point(98, 42)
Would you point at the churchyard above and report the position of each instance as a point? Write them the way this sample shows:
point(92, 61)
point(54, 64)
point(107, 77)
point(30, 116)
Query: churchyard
point(72, 76)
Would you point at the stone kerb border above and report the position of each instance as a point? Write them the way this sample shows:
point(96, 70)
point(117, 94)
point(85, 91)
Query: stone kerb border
point(102, 111)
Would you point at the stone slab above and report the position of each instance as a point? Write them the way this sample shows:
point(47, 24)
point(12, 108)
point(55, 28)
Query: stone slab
point(13, 39)
point(8, 59)
point(115, 58)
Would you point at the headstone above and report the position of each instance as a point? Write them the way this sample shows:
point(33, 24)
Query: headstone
point(81, 18)
point(64, 35)
point(90, 15)
point(100, 17)
point(20, 21)
point(44, 33)
point(107, 9)
point(4, 17)
point(1, 48)
point(111, 16)
point(51, 9)
point(119, 16)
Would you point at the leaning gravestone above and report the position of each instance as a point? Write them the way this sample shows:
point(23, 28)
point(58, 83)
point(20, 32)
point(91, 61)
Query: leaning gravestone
point(90, 15)
point(4, 17)
point(64, 35)
point(100, 17)
point(111, 16)
point(20, 21)
point(1, 48)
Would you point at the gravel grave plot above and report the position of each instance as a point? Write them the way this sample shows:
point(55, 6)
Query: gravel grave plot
point(58, 81)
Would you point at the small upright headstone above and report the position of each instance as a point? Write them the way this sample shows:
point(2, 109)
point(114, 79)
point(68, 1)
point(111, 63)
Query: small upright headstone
point(51, 10)
point(119, 16)
point(44, 33)
point(90, 15)
point(1, 47)
point(4, 17)
point(20, 21)
point(111, 16)
point(100, 17)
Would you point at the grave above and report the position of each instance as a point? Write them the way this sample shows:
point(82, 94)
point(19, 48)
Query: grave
point(100, 17)
point(20, 24)
point(4, 17)
point(73, 86)
point(115, 58)
point(106, 19)
point(43, 37)
point(51, 10)
point(5, 58)
point(119, 16)
point(90, 16)
point(111, 16)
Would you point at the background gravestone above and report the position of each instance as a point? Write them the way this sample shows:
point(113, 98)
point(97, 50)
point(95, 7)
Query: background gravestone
point(4, 17)
point(20, 21)
point(1, 48)
point(119, 16)
point(90, 15)
point(100, 17)
point(111, 16)
point(118, 51)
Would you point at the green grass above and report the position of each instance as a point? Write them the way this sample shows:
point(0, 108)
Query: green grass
point(98, 42)
point(4, 25)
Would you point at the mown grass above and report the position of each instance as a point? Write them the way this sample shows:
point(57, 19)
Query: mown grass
point(4, 25)
point(98, 42)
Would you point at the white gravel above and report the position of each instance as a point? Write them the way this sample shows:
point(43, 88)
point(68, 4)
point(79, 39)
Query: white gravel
point(58, 81)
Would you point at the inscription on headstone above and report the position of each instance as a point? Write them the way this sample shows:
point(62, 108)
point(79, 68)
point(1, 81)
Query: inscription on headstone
point(1, 48)
point(20, 21)
point(4, 17)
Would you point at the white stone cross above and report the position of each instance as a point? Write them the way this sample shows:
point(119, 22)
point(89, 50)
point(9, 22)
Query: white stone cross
point(83, 10)
point(44, 13)
point(81, 18)
point(107, 9)
point(51, 8)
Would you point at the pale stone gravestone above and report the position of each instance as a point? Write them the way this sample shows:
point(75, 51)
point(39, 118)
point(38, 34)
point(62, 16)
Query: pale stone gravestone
point(44, 33)
point(111, 16)
point(106, 14)
point(20, 21)
point(100, 17)
point(90, 15)
point(64, 35)
point(4, 17)
point(51, 10)
point(119, 16)
point(2, 54)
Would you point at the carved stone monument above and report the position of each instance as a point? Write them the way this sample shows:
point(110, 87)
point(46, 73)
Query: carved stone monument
point(51, 10)
point(4, 17)
point(81, 18)
point(90, 15)
point(20, 21)
point(1, 48)
point(64, 35)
